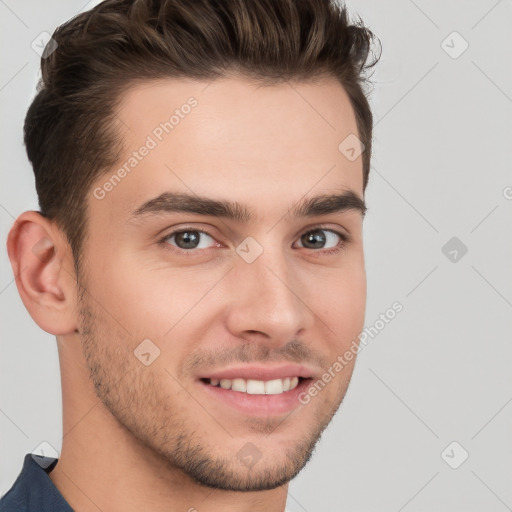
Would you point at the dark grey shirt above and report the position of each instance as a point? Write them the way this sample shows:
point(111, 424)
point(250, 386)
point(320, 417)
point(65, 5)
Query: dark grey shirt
point(33, 490)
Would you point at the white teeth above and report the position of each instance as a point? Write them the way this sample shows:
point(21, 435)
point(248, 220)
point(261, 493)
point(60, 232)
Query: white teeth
point(239, 385)
point(274, 387)
point(257, 387)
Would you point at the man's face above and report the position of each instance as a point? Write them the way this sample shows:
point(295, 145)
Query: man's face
point(235, 302)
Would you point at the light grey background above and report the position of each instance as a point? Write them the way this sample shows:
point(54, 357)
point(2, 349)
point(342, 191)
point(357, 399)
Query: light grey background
point(440, 371)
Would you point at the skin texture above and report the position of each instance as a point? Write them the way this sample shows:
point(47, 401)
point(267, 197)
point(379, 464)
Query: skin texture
point(140, 437)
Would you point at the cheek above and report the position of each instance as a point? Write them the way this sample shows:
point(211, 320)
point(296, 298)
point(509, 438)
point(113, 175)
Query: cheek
point(144, 301)
point(150, 300)
point(342, 306)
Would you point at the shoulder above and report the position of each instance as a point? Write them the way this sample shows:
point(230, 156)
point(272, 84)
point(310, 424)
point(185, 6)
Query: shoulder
point(33, 490)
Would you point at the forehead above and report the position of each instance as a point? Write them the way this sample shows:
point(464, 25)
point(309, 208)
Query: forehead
point(232, 138)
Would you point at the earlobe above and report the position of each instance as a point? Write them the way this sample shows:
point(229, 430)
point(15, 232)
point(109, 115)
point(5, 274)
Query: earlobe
point(45, 280)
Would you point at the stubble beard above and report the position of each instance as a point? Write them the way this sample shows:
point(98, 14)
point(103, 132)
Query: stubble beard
point(139, 404)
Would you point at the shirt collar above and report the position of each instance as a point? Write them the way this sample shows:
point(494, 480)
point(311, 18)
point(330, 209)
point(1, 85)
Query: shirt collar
point(33, 490)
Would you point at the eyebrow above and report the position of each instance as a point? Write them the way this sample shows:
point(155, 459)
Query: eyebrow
point(169, 202)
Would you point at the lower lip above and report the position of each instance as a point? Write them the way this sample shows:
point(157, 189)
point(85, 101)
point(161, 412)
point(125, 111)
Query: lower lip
point(258, 405)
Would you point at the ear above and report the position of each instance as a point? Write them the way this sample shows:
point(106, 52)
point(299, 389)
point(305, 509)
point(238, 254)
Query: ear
point(43, 268)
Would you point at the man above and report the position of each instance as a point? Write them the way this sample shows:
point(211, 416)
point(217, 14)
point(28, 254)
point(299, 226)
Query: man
point(201, 169)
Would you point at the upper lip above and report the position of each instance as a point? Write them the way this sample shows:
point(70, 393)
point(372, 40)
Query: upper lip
point(260, 372)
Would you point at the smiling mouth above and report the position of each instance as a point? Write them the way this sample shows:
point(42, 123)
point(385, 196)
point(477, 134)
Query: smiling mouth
point(256, 387)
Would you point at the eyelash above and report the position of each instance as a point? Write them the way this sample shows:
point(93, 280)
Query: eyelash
point(193, 252)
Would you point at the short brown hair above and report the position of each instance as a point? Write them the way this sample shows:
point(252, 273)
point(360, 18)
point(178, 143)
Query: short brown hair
point(70, 129)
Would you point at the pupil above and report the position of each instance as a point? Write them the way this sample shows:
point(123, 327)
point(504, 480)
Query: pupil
point(315, 236)
point(189, 240)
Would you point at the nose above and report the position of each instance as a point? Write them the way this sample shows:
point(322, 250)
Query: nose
point(269, 302)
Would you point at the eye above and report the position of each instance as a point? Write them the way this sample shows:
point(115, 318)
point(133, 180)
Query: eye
point(188, 239)
point(191, 241)
point(323, 239)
